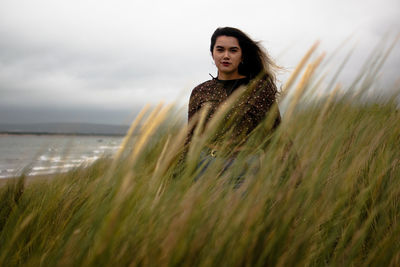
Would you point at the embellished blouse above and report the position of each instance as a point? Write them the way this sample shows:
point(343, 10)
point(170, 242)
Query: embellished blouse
point(250, 109)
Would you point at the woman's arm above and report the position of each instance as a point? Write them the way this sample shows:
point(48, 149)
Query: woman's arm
point(260, 102)
point(194, 103)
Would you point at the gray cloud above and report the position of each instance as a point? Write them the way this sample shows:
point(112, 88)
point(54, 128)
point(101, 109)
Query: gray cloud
point(100, 55)
point(26, 115)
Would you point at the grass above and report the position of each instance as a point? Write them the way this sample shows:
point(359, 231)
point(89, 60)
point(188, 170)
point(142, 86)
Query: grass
point(323, 189)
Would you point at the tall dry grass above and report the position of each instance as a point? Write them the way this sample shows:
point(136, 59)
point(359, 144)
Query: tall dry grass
point(323, 189)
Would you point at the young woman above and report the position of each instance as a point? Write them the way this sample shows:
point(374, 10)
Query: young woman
point(240, 62)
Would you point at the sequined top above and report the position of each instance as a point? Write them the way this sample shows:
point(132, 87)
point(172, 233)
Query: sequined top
point(247, 113)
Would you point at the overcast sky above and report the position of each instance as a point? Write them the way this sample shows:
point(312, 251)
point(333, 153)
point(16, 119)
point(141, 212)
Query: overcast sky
point(101, 61)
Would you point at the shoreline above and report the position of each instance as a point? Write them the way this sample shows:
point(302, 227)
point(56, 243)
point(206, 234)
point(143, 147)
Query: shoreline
point(51, 160)
point(58, 134)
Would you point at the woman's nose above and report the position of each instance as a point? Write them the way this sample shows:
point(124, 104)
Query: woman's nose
point(226, 54)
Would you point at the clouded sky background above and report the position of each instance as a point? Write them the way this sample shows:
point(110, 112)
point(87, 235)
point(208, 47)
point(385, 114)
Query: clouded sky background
point(101, 61)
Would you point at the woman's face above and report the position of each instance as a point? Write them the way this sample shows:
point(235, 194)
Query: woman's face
point(227, 56)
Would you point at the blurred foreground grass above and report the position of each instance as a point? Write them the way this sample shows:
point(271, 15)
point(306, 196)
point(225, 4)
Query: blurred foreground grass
point(323, 189)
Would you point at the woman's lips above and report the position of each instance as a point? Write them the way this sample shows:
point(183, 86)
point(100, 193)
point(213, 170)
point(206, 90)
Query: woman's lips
point(226, 64)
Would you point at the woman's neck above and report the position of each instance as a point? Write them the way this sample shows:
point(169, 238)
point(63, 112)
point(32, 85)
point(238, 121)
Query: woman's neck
point(233, 76)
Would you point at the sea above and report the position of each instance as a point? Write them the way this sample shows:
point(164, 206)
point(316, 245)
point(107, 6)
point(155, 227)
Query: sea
point(48, 154)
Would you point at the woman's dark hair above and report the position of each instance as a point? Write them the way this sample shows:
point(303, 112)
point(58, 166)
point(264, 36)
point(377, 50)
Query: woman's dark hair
point(255, 59)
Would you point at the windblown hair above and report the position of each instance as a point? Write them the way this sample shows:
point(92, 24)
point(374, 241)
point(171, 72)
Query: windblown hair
point(256, 61)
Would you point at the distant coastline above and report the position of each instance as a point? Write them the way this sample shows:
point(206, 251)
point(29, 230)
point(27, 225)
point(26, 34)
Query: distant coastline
point(66, 129)
point(62, 134)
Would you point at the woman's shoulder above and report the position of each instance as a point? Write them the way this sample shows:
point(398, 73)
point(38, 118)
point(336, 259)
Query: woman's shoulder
point(205, 86)
point(263, 82)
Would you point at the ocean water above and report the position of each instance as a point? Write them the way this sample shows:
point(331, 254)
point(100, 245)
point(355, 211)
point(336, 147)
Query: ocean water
point(46, 154)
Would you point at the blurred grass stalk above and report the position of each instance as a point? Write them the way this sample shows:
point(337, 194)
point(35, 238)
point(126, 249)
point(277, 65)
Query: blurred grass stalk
point(323, 189)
